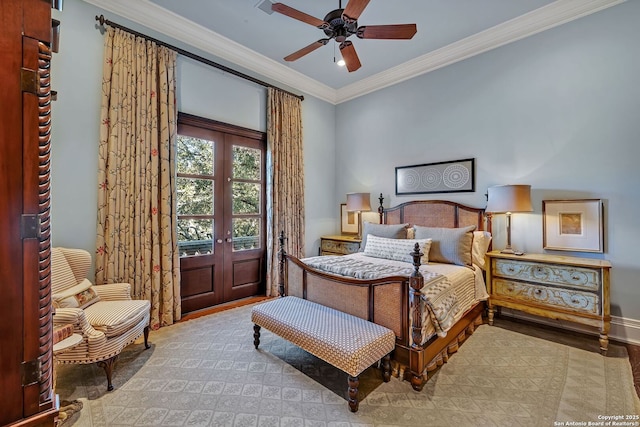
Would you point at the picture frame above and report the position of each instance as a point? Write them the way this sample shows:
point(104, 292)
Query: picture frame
point(348, 220)
point(573, 225)
point(442, 177)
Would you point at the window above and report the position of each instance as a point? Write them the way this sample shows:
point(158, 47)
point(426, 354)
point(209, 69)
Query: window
point(195, 169)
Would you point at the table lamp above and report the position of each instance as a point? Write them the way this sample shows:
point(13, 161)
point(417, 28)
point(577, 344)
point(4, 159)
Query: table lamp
point(508, 199)
point(359, 202)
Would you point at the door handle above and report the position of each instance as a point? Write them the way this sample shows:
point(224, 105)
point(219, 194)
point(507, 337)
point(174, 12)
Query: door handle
point(219, 241)
point(229, 239)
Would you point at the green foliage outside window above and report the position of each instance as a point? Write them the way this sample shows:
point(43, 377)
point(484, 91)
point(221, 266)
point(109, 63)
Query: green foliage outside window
point(195, 193)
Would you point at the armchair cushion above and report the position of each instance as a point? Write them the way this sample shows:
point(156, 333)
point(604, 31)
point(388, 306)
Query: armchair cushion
point(81, 295)
point(114, 318)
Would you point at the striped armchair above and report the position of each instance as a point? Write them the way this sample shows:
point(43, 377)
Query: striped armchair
point(105, 315)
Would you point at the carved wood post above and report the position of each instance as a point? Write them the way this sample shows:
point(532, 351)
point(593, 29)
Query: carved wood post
point(416, 282)
point(381, 209)
point(281, 261)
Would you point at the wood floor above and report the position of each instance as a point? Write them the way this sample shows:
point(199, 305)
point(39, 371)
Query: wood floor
point(633, 350)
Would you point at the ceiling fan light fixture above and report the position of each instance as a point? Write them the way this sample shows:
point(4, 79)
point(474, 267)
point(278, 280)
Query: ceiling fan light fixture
point(340, 63)
point(339, 25)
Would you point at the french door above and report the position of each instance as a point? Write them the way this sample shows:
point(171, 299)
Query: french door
point(221, 212)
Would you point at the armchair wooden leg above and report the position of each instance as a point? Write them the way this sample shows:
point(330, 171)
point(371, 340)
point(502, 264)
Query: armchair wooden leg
point(108, 365)
point(146, 337)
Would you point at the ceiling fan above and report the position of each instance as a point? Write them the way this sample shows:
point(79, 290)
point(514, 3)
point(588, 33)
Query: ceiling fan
point(340, 24)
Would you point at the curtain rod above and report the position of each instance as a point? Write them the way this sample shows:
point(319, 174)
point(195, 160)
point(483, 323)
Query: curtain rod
point(191, 55)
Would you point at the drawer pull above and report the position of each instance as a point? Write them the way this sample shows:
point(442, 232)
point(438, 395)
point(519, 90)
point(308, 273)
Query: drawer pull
point(537, 291)
point(575, 278)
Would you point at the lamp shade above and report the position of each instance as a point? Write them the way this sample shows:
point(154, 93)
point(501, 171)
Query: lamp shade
point(509, 198)
point(358, 202)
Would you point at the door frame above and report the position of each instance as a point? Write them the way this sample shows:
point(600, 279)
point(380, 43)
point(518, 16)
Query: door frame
point(216, 294)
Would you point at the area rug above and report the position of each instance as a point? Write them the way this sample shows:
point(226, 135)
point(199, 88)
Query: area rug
point(206, 372)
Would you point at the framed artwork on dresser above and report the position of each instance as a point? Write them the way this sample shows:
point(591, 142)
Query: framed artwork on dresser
point(348, 220)
point(573, 225)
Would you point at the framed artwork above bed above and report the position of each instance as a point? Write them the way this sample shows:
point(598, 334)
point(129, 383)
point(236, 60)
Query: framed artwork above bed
point(442, 177)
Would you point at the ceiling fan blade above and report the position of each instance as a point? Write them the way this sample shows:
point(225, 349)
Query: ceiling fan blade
point(308, 49)
point(300, 16)
point(398, 31)
point(350, 56)
point(353, 10)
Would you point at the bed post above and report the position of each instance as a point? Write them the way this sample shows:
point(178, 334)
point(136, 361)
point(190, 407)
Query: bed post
point(416, 283)
point(381, 209)
point(281, 261)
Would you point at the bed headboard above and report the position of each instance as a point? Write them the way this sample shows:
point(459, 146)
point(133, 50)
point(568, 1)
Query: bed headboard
point(434, 213)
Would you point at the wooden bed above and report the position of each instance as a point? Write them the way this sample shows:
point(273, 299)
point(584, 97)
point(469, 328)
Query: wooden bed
point(392, 301)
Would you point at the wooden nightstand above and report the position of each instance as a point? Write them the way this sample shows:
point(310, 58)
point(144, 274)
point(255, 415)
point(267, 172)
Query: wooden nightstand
point(339, 245)
point(557, 287)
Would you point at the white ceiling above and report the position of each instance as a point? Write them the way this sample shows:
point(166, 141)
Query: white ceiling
point(448, 31)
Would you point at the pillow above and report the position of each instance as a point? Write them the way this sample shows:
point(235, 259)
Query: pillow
point(411, 233)
point(390, 231)
point(449, 245)
point(479, 247)
point(81, 295)
point(396, 249)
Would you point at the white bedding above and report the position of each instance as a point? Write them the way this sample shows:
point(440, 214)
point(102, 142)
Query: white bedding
point(468, 284)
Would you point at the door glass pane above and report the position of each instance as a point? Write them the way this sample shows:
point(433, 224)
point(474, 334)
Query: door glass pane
point(246, 233)
point(246, 198)
point(195, 196)
point(246, 163)
point(195, 236)
point(195, 156)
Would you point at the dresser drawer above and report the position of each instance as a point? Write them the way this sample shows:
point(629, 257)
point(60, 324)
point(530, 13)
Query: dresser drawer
point(339, 247)
point(549, 274)
point(583, 302)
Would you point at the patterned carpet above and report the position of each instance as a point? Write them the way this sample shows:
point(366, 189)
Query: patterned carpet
point(206, 372)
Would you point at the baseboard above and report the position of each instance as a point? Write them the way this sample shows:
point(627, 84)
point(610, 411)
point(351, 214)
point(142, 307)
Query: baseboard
point(622, 330)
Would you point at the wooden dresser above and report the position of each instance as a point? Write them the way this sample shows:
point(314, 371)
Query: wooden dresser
point(339, 245)
point(553, 286)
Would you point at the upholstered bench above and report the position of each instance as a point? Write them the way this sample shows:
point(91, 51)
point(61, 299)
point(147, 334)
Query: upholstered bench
point(347, 342)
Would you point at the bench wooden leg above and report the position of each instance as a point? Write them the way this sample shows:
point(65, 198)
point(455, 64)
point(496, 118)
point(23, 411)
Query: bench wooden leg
point(386, 368)
point(256, 335)
point(353, 382)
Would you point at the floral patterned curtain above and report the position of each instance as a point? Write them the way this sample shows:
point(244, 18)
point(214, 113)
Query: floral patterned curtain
point(136, 234)
point(285, 180)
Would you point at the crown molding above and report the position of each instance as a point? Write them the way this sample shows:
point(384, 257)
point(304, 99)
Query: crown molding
point(154, 17)
point(536, 21)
